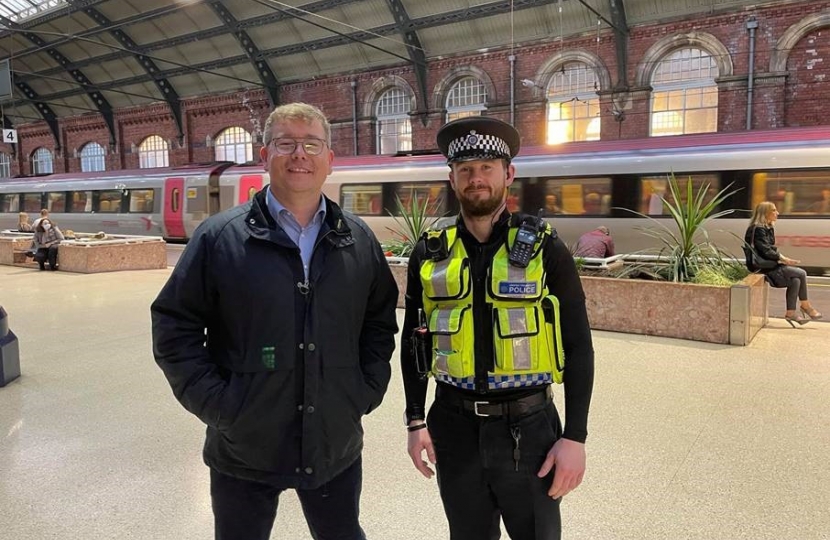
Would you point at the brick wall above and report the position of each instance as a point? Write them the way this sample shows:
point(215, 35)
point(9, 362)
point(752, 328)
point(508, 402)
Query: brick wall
point(792, 98)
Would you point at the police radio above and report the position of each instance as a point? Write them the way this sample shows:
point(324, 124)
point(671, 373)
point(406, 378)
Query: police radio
point(522, 249)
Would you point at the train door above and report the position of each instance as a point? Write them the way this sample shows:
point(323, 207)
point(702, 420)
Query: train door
point(249, 184)
point(174, 208)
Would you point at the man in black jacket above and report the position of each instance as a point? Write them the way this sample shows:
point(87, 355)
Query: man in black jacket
point(276, 329)
point(498, 307)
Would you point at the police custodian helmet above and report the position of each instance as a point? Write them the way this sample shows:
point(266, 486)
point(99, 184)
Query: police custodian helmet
point(478, 137)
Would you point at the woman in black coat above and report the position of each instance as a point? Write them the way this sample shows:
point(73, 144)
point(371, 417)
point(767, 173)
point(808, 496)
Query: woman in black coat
point(779, 269)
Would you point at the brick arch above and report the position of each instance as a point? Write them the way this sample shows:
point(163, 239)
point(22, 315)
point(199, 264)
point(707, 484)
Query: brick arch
point(381, 85)
point(787, 42)
point(439, 93)
point(547, 70)
point(700, 40)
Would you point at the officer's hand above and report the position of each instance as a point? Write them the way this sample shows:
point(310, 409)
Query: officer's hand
point(417, 442)
point(569, 458)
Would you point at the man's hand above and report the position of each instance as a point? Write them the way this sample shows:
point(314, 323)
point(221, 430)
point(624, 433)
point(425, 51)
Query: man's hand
point(569, 458)
point(418, 442)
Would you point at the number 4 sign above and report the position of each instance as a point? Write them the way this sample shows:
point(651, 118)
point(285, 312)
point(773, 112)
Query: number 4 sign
point(10, 136)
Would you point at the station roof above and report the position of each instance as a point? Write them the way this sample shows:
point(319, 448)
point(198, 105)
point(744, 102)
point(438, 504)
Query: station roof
point(70, 57)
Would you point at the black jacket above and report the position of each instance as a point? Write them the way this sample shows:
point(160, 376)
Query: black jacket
point(762, 240)
point(280, 373)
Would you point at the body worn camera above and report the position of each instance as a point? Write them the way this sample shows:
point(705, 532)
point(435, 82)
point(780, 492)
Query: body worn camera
point(522, 249)
point(437, 245)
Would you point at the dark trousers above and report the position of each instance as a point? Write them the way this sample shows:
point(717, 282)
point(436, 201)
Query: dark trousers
point(245, 510)
point(796, 285)
point(480, 480)
point(44, 254)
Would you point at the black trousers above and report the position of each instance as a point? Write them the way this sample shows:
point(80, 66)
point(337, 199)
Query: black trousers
point(480, 481)
point(44, 254)
point(245, 510)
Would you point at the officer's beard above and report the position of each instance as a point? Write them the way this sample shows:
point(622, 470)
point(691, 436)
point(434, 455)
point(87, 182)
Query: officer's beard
point(482, 207)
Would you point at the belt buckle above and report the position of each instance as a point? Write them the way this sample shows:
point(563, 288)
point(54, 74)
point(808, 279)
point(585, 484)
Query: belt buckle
point(475, 408)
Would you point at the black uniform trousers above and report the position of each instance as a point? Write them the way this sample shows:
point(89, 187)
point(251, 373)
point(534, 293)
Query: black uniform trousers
point(246, 510)
point(480, 480)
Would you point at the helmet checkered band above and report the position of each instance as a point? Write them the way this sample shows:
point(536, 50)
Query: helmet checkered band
point(475, 145)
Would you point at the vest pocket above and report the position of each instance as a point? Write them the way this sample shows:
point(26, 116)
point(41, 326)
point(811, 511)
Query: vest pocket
point(516, 335)
point(451, 355)
point(553, 338)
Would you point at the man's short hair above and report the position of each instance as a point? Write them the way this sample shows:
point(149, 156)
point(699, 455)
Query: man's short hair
point(294, 112)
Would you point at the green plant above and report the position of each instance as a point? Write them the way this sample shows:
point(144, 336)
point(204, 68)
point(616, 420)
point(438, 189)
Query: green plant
point(688, 251)
point(411, 222)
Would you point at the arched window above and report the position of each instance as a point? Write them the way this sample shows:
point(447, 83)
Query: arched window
point(573, 104)
point(93, 157)
point(5, 165)
point(42, 161)
point(467, 97)
point(153, 152)
point(684, 97)
point(394, 128)
point(234, 144)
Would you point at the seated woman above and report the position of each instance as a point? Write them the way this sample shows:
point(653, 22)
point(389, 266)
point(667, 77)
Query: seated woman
point(782, 272)
point(47, 238)
point(23, 224)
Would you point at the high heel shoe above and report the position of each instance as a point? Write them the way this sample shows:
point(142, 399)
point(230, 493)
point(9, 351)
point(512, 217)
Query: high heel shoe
point(796, 320)
point(813, 314)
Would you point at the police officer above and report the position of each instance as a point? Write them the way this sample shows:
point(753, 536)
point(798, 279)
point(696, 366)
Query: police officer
point(494, 309)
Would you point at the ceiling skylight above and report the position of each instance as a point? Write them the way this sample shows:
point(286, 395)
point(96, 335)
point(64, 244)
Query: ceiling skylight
point(22, 10)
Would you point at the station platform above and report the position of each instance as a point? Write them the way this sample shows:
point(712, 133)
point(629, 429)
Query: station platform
point(687, 440)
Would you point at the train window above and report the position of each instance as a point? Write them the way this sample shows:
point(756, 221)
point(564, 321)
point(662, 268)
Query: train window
point(653, 189)
point(514, 197)
point(31, 202)
point(578, 196)
point(81, 201)
point(363, 200)
point(109, 201)
point(794, 192)
point(435, 192)
point(56, 202)
point(141, 200)
point(9, 202)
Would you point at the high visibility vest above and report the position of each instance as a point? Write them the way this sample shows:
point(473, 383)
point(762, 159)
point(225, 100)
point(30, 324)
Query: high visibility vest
point(526, 331)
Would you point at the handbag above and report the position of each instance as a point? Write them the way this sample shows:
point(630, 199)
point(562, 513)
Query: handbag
point(755, 260)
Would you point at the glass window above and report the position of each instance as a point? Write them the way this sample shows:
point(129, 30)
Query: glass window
point(31, 202)
point(573, 104)
point(234, 144)
point(436, 193)
point(10, 202)
point(794, 192)
point(5, 165)
point(141, 200)
point(42, 161)
point(93, 157)
point(19, 11)
point(56, 202)
point(364, 200)
point(153, 152)
point(578, 196)
point(514, 197)
point(81, 201)
point(467, 97)
point(653, 189)
point(394, 127)
point(684, 97)
point(109, 201)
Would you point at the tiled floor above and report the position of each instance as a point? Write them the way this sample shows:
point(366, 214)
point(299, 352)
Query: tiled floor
point(688, 440)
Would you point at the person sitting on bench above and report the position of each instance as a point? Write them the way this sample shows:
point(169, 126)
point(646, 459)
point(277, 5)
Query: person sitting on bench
point(45, 243)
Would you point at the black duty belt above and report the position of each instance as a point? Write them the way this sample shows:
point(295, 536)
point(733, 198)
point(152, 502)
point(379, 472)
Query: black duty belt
point(510, 408)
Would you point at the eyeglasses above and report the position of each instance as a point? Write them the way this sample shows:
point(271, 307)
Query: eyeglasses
point(286, 147)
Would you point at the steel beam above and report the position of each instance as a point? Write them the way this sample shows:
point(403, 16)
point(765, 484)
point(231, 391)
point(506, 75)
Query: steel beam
point(43, 109)
point(416, 52)
point(621, 35)
point(266, 75)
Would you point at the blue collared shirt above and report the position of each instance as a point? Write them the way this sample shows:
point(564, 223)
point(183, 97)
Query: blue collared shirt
point(304, 238)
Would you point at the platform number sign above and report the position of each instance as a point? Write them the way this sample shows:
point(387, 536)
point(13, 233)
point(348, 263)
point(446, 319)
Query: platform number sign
point(10, 136)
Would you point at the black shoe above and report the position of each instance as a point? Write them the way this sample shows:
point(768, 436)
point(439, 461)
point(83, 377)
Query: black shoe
point(42, 267)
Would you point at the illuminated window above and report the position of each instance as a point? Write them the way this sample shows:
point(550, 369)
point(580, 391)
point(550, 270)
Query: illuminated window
point(56, 202)
point(153, 152)
point(796, 192)
point(435, 193)
point(573, 104)
point(93, 157)
point(109, 201)
point(42, 161)
point(394, 128)
point(234, 144)
point(654, 189)
point(684, 97)
point(362, 199)
point(467, 97)
point(5, 165)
